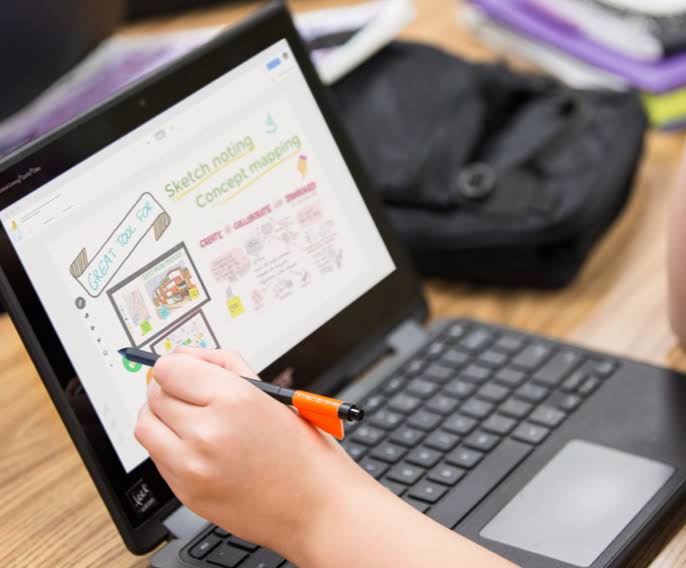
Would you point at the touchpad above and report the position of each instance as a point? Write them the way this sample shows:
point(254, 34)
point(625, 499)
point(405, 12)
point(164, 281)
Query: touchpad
point(578, 503)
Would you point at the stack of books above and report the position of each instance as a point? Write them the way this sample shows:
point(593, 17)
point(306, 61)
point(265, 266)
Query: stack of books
point(616, 44)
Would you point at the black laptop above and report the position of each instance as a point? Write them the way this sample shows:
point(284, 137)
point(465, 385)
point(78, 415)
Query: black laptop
point(220, 204)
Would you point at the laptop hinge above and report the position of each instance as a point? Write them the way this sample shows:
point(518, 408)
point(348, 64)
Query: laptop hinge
point(184, 523)
point(402, 341)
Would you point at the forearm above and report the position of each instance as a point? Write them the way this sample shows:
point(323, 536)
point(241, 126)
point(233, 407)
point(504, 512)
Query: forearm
point(370, 527)
point(676, 261)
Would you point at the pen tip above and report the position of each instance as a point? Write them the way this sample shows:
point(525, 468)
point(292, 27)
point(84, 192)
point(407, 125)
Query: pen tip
point(122, 351)
point(355, 414)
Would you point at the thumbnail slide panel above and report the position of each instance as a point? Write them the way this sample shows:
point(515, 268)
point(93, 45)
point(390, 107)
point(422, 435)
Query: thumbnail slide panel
point(150, 301)
point(192, 332)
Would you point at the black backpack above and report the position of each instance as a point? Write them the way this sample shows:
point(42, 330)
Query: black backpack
point(491, 176)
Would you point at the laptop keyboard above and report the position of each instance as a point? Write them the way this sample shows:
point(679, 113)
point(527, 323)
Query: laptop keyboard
point(450, 425)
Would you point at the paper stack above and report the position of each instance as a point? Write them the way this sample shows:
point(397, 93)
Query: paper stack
point(618, 44)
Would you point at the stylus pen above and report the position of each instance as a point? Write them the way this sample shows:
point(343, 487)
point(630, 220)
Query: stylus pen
point(323, 411)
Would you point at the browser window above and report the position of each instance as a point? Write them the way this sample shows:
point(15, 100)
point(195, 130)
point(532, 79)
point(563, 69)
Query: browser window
point(229, 220)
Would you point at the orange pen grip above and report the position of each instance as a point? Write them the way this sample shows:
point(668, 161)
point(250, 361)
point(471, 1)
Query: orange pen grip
point(320, 411)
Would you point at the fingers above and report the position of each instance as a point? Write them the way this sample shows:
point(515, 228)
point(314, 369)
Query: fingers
point(162, 443)
point(178, 415)
point(189, 378)
point(230, 359)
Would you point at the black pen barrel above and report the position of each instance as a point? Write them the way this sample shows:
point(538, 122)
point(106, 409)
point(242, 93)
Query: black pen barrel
point(282, 394)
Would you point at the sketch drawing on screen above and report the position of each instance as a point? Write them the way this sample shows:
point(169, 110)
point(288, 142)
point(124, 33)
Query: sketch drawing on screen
point(95, 274)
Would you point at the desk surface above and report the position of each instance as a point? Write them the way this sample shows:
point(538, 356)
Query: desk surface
point(50, 513)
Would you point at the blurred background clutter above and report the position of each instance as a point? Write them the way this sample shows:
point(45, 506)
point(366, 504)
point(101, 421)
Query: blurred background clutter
point(491, 175)
point(616, 44)
point(69, 61)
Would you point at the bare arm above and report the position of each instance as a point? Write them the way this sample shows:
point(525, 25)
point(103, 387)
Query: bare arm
point(250, 465)
point(371, 527)
point(676, 259)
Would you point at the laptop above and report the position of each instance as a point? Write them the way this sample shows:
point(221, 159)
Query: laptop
point(219, 203)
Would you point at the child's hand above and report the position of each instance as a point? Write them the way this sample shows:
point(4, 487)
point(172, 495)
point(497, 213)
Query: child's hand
point(242, 460)
point(234, 455)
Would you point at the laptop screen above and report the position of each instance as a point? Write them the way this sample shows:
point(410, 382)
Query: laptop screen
point(228, 220)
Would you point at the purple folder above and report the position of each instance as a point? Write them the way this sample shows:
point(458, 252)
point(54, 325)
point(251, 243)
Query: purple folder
point(523, 17)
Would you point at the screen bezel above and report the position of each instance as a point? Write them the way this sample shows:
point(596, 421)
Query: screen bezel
point(350, 332)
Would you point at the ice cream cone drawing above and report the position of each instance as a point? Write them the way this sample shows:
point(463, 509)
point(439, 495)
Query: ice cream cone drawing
point(302, 165)
point(13, 225)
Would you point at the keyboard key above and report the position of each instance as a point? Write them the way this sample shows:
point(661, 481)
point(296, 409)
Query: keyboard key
point(509, 343)
point(394, 487)
point(388, 452)
point(589, 386)
point(532, 356)
point(572, 382)
point(368, 435)
point(530, 433)
point(394, 385)
point(510, 377)
point(454, 358)
point(467, 494)
point(355, 451)
point(482, 441)
point(567, 402)
point(442, 441)
point(515, 408)
point(263, 558)
point(205, 546)
point(476, 373)
point(459, 388)
point(424, 457)
point(438, 373)
point(244, 544)
point(605, 367)
point(442, 404)
point(386, 419)
point(435, 349)
point(427, 491)
point(446, 474)
point(459, 424)
point(415, 366)
point(407, 436)
point(404, 403)
point(531, 392)
point(562, 363)
point(499, 424)
point(220, 532)
point(374, 402)
point(227, 556)
point(464, 457)
point(476, 408)
point(421, 506)
point(405, 473)
point(421, 388)
point(547, 416)
point(424, 420)
point(493, 392)
point(375, 468)
point(455, 331)
point(492, 358)
point(475, 339)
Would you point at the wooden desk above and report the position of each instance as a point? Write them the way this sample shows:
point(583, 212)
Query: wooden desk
point(50, 513)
